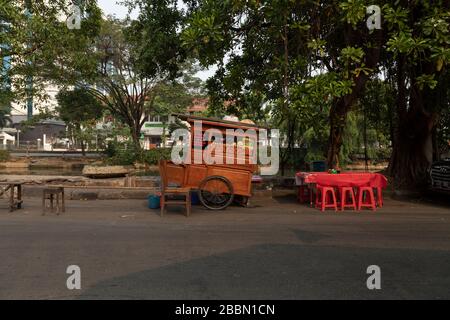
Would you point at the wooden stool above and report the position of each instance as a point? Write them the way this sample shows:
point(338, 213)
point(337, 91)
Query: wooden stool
point(53, 194)
point(172, 191)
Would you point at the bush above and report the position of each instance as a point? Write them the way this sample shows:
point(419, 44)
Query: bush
point(151, 157)
point(122, 158)
point(121, 154)
point(4, 155)
point(125, 154)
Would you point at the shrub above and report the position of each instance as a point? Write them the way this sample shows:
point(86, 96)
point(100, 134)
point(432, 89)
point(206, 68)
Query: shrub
point(121, 154)
point(151, 157)
point(4, 155)
point(126, 154)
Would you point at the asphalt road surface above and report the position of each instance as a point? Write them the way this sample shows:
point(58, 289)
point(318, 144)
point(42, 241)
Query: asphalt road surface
point(274, 250)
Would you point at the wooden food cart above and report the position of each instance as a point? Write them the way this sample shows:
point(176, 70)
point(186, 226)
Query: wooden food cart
point(218, 184)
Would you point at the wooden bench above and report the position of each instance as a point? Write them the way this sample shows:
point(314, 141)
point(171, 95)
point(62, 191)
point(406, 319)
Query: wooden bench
point(52, 194)
point(15, 194)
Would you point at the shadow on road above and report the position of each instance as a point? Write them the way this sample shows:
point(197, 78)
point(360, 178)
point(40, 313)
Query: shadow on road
point(278, 271)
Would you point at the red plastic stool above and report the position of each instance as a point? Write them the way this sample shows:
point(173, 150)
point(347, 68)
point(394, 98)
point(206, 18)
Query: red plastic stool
point(322, 198)
point(317, 194)
point(380, 197)
point(303, 194)
point(346, 194)
point(363, 192)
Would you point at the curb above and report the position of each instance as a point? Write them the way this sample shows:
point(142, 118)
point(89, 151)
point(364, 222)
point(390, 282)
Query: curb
point(110, 194)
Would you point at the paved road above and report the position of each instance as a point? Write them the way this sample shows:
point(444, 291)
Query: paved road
point(275, 250)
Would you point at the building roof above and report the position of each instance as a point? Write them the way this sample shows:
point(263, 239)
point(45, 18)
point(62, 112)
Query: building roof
point(199, 105)
point(17, 119)
point(7, 137)
point(219, 122)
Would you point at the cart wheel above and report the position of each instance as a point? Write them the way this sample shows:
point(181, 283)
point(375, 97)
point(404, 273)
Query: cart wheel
point(216, 192)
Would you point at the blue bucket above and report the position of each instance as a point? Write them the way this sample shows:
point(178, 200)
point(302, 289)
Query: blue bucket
point(195, 200)
point(154, 201)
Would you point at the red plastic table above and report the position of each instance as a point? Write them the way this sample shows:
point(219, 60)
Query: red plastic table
point(346, 179)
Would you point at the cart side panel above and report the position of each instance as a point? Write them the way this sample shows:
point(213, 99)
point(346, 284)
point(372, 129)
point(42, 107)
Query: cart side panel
point(241, 180)
point(175, 173)
point(194, 175)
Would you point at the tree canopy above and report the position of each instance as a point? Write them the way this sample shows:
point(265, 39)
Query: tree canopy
point(300, 58)
point(39, 46)
point(321, 71)
point(78, 109)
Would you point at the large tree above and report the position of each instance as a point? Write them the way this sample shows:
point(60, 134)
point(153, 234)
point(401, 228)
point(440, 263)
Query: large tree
point(260, 48)
point(78, 109)
point(297, 57)
point(143, 66)
point(117, 81)
point(417, 58)
point(36, 45)
point(303, 55)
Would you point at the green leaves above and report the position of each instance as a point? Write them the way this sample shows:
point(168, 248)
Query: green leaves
point(325, 87)
point(354, 11)
point(426, 80)
point(401, 43)
point(352, 54)
point(396, 17)
point(40, 45)
point(78, 106)
point(318, 45)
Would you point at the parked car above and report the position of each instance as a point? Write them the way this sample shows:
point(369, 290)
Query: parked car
point(440, 175)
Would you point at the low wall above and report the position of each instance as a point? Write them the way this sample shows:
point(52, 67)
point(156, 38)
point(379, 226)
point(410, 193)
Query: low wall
point(113, 194)
point(82, 188)
point(92, 194)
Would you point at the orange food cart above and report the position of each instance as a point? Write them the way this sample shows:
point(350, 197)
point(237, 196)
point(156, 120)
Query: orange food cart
point(218, 183)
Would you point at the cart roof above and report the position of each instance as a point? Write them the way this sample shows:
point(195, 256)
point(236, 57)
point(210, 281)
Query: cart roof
point(219, 122)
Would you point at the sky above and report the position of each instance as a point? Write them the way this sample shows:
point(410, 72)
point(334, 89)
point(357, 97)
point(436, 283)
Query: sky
point(111, 7)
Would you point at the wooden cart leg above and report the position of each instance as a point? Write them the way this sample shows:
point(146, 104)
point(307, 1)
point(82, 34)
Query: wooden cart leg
point(188, 204)
point(51, 203)
point(43, 203)
point(19, 197)
point(162, 204)
point(58, 209)
point(63, 202)
point(11, 199)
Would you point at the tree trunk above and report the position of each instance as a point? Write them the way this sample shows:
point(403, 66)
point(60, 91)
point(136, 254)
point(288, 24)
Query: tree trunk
point(413, 152)
point(289, 151)
point(342, 105)
point(290, 125)
point(83, 147)
point(338, 116)
point(136, 135)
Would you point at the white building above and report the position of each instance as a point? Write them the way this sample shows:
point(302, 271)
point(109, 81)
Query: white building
point(153, 131)
point(20, 111)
